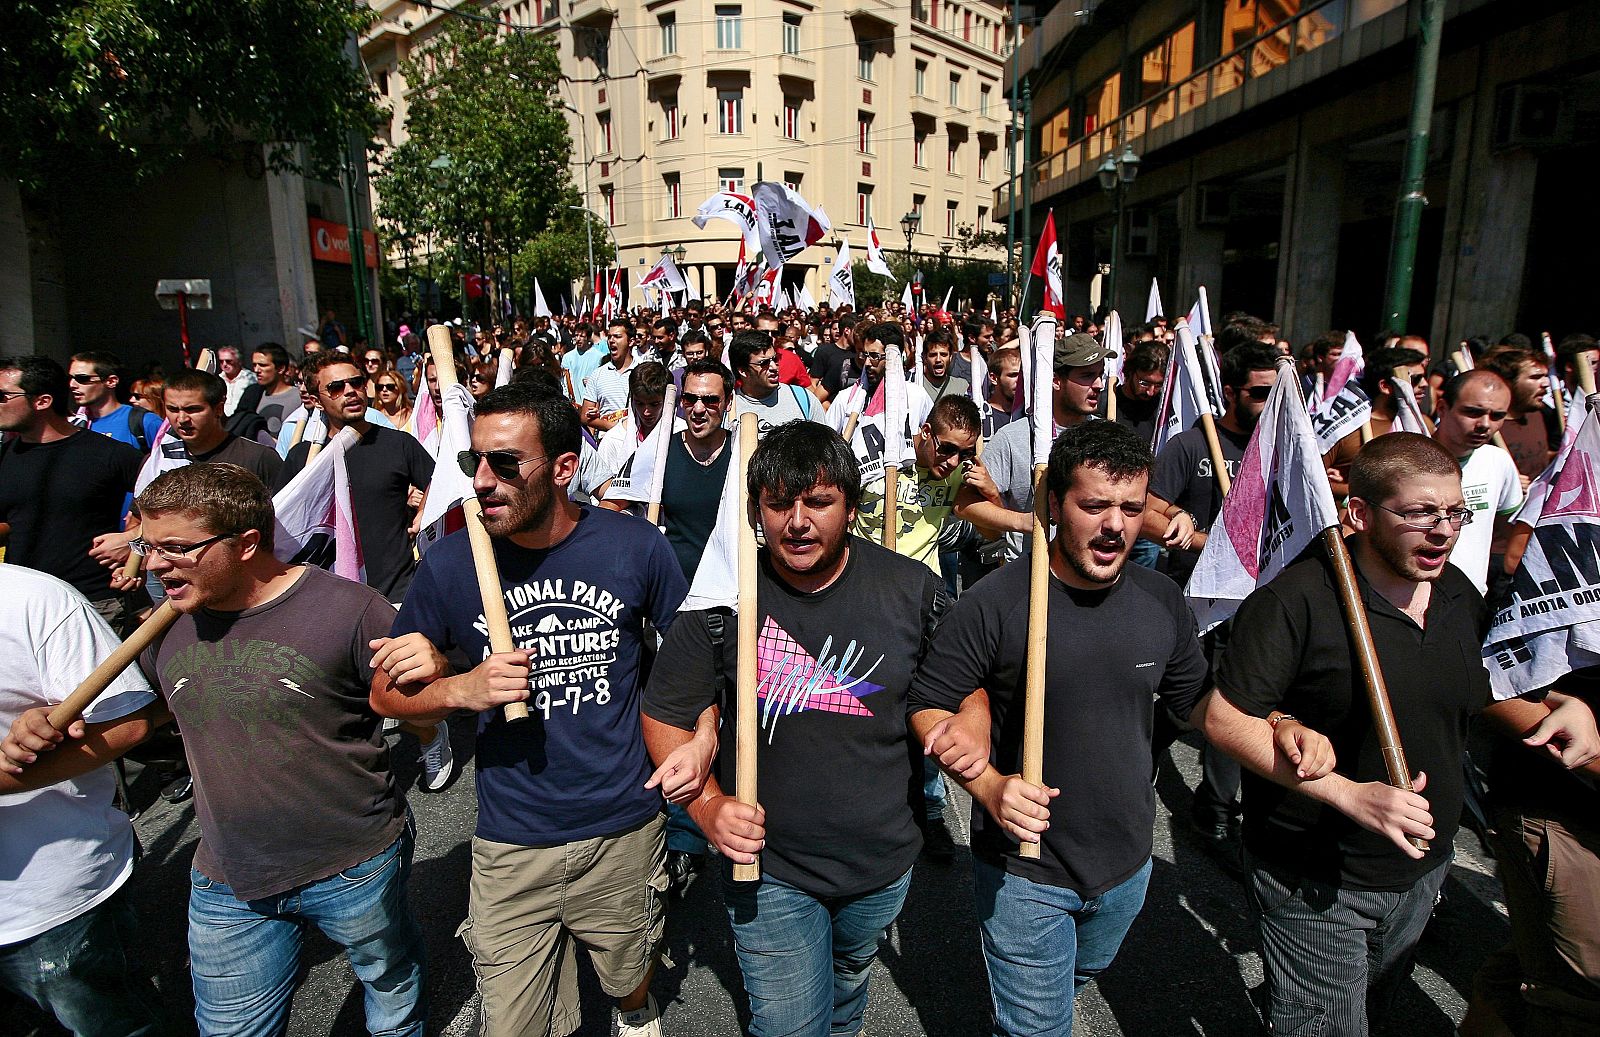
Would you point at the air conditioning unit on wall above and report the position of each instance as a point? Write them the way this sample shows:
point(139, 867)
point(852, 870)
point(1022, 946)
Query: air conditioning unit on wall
point(1213, 206)
point(1531, 115)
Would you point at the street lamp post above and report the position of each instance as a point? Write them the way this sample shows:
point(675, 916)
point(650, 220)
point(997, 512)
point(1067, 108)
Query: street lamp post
point(908, 227)
point(1115, 174)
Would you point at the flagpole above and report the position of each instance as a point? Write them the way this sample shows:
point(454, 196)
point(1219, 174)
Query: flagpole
point(1585, 373)
point(1111, 397)
point(747, 730)
point(669, 404)
point(72, 707)
point(1360, 631)
point(1038, 575)
point(1207, 423)
point(488, 572)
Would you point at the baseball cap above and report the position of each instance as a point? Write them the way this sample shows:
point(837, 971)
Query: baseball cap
point(1081, 350)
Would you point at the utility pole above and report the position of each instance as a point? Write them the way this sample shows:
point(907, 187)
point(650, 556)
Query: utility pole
point(1408, 211)
point(1012, 264)
point(1027, 192)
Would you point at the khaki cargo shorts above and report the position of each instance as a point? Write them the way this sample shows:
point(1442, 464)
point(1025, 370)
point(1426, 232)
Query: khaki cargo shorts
point(530, 905)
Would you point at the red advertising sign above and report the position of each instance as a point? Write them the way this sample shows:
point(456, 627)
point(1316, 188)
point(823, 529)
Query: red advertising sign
point(331, 242)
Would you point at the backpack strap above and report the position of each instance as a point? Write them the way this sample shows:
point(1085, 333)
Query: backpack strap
point(136, 415)
point(717, 626)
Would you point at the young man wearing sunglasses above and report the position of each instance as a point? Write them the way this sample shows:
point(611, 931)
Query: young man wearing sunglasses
point(569, 847)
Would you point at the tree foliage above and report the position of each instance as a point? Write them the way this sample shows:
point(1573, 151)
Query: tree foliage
point(560, 253)
point(124, 88)
point(483, 171)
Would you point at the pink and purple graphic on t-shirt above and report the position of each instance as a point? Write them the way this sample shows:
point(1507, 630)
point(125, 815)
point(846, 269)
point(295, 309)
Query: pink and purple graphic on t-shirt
point(790, 679)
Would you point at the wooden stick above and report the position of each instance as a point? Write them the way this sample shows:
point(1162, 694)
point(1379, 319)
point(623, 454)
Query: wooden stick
point(748, 732)
point(72, 707)
point(1038, 632)
point(205, 361)
point(1111, 397)
point(1219, 464)
point(1585, 373)
point(1355, 617)
point(669, 404)
point(1366, 431)
point(131, 567)
point(850, 424)
point(891, 505)
point(488, 572)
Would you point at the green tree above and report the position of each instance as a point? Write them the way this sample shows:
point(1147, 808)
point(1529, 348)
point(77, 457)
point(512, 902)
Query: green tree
point(125, 88)
point(559, 254)
point(483, 171)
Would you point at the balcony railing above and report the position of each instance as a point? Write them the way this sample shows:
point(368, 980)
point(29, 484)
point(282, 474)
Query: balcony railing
point(1277, 48)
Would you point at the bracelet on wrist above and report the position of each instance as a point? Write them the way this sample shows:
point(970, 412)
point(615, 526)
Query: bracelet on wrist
point(1278, 718)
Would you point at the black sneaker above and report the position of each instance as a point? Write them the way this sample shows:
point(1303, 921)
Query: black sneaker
point(1221, 843)
point(937, 845)
point(682, 867)
point(180, 789)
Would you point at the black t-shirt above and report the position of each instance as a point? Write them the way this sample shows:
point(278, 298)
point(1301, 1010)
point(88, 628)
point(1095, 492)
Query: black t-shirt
point(262, 462)
point(840, 775)
point(384, 464)
point(1182, 476)
point(1139, 415)
point(690, 493)
point(827, 366)
point(1289, 651)
point(1110, 652)
point(58, 496)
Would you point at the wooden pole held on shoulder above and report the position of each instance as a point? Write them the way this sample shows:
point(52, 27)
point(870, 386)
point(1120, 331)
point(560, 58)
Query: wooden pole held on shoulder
point(747, 733)
point(72, 707)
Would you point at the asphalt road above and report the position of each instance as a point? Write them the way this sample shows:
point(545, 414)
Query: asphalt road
point(1188, 966)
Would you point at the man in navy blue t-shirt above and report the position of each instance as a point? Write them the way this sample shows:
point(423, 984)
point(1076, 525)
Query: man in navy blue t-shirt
point(570, 843)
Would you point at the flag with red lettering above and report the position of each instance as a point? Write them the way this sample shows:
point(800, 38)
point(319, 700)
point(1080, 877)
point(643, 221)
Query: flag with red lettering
point(786, 223)
point(1047, 264)
point(1279, 503)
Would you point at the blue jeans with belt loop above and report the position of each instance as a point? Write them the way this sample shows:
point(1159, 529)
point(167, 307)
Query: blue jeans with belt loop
point(245, 955)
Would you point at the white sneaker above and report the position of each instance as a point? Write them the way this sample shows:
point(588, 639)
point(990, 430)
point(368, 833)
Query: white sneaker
point(438, 762)
point(643, 1022)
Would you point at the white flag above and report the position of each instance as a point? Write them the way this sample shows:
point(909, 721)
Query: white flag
point(540, 307)
point(875, 261)
point(1278, 504)
point(906, 299)
point(993, 316)
point(1111, 336)
point(895, 447)
point(978, 384)
point(642, 475)
point(1183, 397)
point(916, 361)
point(737, 209)
point(441, 511)
point(1539, 490)
point(786, 223)
point(945, 305)
point(1336, 418)
point(1199, 314)
point(803, 299)
point(1152, 309)
point(716, 581)
point(842, 282)
point(316, 524)
point(665, 274)
point(1041, 397)
point(508, 361)
point(1551, 625)
point(1409, 416)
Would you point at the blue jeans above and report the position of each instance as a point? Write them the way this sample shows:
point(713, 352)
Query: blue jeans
point(1035, 936)
point(683, 834)
point(933, 791)
point(245, 955)
point(806, 959)
point(79, 973)
point(1145, 552)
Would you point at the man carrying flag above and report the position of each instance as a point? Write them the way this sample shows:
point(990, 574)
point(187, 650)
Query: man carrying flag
point(1391, 379)
point(619, 455)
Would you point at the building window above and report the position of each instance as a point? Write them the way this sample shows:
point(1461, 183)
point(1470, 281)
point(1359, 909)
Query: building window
point(919, 79)
point(864, 55)
point(791, 118)
point(985, 159)
point(983, 217)
point(1163, 66)
point(1100, 104)
point(669, 117)
point(730, 27)
point(950, 209)
point(730, 111)
point(919, 149)
point(983, 100)
point(608, 198)
point(669, 33)
point(863, 203)
point(864, 132)
point(955, 90)
point(966, 26)
point(606, 145)
point(919, 10)
point(791, 34)
point(792, 181)
point(952, 157)
point(731, 180)
point(917, 201)
point(672, 183)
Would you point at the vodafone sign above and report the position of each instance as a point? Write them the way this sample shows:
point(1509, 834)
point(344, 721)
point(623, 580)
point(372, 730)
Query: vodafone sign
point(331, 242)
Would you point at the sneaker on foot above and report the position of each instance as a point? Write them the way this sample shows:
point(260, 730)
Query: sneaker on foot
point(682, 867)
point(438, 762)
point(643, 1022)
point(937, 844)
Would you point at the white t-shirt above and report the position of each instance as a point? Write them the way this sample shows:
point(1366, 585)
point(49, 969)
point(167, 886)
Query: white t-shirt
point(787, 403)
point(64, 848)
point(1490, 485)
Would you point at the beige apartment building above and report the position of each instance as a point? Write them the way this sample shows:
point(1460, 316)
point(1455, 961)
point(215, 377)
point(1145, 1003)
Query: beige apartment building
point(871, 109)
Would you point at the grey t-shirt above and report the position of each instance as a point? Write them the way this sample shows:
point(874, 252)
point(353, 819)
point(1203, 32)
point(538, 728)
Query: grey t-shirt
point(292, 779)
point(273, 409)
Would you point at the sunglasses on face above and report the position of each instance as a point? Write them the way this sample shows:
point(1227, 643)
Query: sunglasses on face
point(766, 361)
point(690, 400)
point(503, 463)
point(1257, 392)
point(338, 385)
point(944, 449)
point(85, 379)
point(388, 387)
point(374, 359)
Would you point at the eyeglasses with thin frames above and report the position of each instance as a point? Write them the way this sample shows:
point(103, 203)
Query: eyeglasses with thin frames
point(177, 554)
point(1426, 520)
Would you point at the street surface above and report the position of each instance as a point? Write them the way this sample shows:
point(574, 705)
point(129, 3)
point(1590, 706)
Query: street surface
point(1187, 967)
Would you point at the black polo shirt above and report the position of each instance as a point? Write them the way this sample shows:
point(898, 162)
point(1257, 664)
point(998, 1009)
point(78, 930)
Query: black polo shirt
point(1290, 651)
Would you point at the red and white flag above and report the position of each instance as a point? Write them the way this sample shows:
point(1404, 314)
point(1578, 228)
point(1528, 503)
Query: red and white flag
point(614, 295)
point(424, 418)
point(786, 223)
point(1278, 504)
point(875, 260)
point(737, 209)
point(766, 287)
point(1344, 406)
point(1047, 264)
point(664, 275)
point(316, 523)
point(1183, 397)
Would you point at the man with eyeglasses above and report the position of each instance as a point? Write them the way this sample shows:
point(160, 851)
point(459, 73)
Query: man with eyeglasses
point(235, 375)
point(1139, 392)
point(1472, 408)
point(569, 846)
point(62, 488)
point(755, 361)
point(1342, 896)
